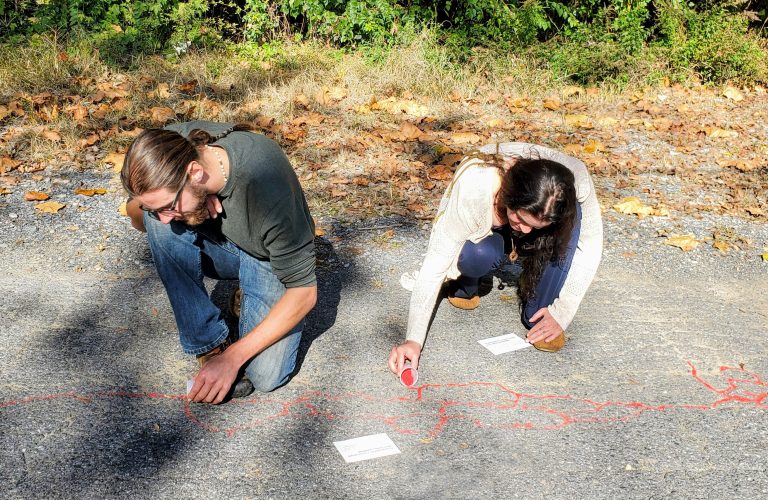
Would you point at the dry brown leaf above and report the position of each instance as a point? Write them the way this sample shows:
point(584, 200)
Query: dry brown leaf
point(409, 131)
point(716, 132)
point(685, 242)
point(495, 123)
point(15, 108)
point(7, 164)
point(593, 146)
point(78, 112)
point(90, 140)
point(552, 103)
point(440, 173)
point(161, 92)
point(9, 180)
point(399, 106)
point(723, 246)
point(48, 113)
point(50, 207)
point(5, 190)
point(120, 104)
point(308, 119)
point(573, 149)
point(122, 210)
point(116, 159)
point(188, 87)
point(322, 97)
point(213, 108)
point(51, 135)
point(764, 256)
point(580, 121)
point(450, 159)
point(337, 93)
point(465, 138)
point(631, 205)
point(292, 133)
point(517, 104)
point(302, 101)
point(161, 114)
point(35, 196)
point(755, 210)
point(572, 90)
point(101, 111)
point(733, 94)
point(90, 192)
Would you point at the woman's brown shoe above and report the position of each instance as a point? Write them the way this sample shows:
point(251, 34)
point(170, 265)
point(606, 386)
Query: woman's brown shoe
point(553, 345)
point(466, 304)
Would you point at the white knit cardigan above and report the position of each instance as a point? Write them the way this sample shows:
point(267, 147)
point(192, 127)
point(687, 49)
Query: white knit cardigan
point(466, 214)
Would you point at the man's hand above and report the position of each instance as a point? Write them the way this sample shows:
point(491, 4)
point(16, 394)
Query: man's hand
point(136, 215)
point(407, 351)
point(213, 203)
point(214, 380)
point(546, 329)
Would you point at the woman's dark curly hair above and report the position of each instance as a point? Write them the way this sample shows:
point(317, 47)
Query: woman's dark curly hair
point(545, 189)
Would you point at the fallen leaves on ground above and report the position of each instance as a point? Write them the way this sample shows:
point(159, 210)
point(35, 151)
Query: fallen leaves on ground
point(631, 205)
point(90, 191)
point(50, 207)
point(690, 148)
point(36, 196)
point(685, 242)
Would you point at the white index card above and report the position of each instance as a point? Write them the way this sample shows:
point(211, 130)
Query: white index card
point(366, 447)
point(504, 343)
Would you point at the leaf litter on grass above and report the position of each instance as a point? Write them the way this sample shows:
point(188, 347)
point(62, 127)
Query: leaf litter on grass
point(397, 150)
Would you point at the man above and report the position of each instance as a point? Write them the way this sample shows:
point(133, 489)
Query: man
point(216, 200)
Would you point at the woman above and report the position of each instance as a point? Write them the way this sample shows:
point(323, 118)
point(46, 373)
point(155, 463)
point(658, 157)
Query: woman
point(507, 201)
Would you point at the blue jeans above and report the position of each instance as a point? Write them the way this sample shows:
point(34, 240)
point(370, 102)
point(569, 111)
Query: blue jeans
point(478, 259)
point(183, 255)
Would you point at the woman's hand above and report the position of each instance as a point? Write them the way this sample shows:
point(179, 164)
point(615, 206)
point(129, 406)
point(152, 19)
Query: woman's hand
point(214, 205)
point(546, 328)
point(407, 351)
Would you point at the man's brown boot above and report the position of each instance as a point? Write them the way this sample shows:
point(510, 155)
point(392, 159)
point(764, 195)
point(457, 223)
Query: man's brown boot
point(234, 302)
point(553, 345)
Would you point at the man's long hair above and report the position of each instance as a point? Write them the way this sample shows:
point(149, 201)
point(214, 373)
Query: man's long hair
point(158, 158)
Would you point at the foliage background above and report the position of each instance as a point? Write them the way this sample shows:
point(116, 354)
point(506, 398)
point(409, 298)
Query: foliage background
point(585, 41)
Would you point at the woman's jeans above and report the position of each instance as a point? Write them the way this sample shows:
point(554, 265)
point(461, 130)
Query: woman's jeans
point(183, 255)
point(478, 259)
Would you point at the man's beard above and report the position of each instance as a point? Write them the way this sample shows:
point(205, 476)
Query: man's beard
point(200, 213)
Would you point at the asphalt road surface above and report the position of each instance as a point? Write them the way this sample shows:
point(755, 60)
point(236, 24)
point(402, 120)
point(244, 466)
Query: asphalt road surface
point(660, 392)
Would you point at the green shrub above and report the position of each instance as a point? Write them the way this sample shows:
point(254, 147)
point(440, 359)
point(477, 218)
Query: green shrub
point(585, 40)
point(715, 44)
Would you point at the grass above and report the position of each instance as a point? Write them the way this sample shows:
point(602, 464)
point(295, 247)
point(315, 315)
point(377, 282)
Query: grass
point(272, 86)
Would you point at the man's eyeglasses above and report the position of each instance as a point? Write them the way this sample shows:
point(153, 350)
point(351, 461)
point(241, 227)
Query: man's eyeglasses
point(170, 208)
